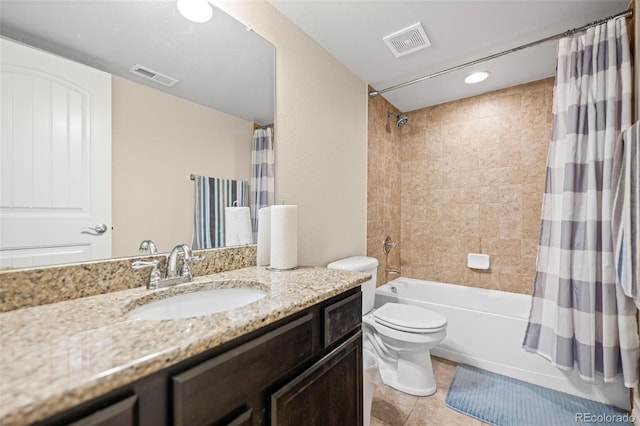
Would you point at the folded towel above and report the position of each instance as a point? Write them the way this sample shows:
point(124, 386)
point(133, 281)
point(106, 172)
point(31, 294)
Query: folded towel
point(626, 212)
point(237, 226)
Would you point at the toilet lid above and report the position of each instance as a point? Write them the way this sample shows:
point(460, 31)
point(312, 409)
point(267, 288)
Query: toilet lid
point(409, 318)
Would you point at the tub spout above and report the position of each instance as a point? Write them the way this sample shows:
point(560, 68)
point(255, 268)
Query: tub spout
point(393, 271)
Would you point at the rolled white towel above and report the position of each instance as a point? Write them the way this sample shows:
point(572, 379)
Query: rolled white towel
point(237, 226)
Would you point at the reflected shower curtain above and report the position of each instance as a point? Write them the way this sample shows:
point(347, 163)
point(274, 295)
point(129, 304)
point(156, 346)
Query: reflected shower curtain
point(579, 316)
point(212, 196)
point(262, 174)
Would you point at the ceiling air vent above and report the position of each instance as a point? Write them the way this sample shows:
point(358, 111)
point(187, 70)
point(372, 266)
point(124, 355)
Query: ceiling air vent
point(150, 74)
point(407, 40)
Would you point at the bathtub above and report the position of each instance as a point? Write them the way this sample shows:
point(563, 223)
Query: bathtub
point(486, 328)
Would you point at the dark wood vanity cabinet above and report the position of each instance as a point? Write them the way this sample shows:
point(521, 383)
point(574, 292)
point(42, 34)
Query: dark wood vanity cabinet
point(328, 393)
point(231, 378)
point(122, 413)
point(303, 370)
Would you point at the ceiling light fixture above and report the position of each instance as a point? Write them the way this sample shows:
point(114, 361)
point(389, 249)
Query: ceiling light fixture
point(195, 10)
point(476, 77)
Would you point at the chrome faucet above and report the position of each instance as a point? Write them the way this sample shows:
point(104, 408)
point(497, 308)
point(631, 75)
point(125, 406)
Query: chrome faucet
point(148, 246)
point(387, 245)
point(172, 262)
point(171, 277)
point(156, 276)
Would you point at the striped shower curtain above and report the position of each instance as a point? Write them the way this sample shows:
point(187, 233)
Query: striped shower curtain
point(626, 212)
point(212, 196)
point(579, 316)
point(262, 174)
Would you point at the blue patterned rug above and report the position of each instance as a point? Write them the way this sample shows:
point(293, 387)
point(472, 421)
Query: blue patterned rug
point(504, 401)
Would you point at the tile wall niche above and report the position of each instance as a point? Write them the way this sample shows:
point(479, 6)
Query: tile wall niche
point(472, 176)
point(383, 184)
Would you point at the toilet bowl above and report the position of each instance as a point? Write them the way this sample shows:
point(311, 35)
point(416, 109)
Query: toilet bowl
point(400, 336)
point(403, 351)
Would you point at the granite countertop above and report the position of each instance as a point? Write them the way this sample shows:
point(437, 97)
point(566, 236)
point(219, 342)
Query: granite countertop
point(56, 356)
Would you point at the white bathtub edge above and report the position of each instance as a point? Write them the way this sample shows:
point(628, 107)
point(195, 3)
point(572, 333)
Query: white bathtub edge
point(472, 311)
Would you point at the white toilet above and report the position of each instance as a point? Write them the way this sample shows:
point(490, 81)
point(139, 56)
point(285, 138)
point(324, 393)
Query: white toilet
point(399, 335)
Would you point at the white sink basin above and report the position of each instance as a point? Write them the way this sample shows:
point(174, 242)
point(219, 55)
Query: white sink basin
point(198, 303)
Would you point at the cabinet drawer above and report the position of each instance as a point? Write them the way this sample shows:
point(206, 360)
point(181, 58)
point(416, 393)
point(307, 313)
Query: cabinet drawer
point(341, 318)
point(121, 413)
point(205, 393)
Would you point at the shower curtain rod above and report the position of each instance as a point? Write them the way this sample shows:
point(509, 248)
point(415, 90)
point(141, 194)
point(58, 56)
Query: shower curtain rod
point(572, 31)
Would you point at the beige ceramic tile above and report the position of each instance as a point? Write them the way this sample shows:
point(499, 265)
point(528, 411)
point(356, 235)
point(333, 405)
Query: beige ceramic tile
point(490, 279)
point(513, 283)
point(463, 171)
point(428, 413)
point(528, 248)
point(392, 407)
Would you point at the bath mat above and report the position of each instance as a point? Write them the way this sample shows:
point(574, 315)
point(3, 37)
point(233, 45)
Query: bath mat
point(503, 401)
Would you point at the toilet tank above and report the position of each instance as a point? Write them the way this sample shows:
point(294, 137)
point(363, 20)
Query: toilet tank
point(361, 264)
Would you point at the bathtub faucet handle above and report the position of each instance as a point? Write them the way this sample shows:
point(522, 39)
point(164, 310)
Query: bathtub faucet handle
point(387, 245)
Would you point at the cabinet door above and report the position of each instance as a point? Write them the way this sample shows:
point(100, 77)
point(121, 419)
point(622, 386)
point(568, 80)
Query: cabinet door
point(208, 392)
point(327, 394)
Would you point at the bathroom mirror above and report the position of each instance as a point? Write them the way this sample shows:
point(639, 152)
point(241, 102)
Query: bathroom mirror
point(225, 74)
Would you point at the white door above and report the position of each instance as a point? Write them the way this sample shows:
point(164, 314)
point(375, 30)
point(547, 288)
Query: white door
point(55, 159)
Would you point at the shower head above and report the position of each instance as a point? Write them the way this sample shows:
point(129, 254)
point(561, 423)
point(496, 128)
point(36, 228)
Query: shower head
point(401, 120)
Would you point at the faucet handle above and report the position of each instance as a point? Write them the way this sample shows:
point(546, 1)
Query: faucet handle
point(156, 275)
point(186, 267)
point(138, 264)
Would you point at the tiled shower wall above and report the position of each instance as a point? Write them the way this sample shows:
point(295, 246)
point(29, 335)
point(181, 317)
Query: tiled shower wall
point(383, 184)
point(472, 175)
point(461, 177)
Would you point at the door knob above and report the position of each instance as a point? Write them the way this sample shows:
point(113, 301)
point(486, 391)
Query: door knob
point(98, 229)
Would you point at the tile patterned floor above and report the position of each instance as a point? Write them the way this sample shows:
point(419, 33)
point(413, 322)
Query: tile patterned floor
point(394, 408)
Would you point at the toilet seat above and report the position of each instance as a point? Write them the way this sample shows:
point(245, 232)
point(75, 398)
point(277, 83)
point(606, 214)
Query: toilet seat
point(409, 318)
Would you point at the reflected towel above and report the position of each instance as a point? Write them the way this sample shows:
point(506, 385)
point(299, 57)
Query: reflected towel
point(626, 214)
point(237, 228)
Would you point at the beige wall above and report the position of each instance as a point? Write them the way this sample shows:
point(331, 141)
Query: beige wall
point(472, 182)
point(320, 137)
point(158, 140)
point(383, 186)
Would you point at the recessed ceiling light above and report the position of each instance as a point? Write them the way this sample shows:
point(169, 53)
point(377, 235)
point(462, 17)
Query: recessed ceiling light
point(476, 77)
point(195, 10)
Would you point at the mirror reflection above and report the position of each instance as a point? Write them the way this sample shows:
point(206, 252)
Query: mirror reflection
point(206, 124)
